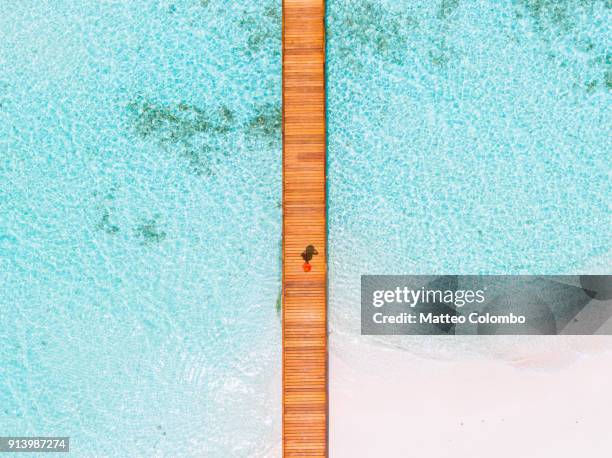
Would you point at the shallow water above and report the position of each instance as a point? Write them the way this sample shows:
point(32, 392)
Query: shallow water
point(140, 187)
point(466, 137)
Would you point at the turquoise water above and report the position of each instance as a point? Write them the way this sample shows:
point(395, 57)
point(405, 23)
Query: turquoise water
point(466, 137)
point(140, 181)
point(140, 192)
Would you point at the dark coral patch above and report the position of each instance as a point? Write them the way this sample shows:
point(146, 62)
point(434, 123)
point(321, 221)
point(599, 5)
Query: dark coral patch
point(367, 27)
point(183, 128)
point(267, 120)
point(173, 123)
point(105, 225)
point(199, 159)
point(447, 8)
point(554, 19)
point(148, 230)
point(263, 30)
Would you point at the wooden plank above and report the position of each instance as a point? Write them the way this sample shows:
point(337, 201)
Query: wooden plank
point(305, 396)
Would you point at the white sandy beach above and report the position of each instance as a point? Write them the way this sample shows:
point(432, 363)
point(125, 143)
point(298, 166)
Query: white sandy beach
point(543, 397)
